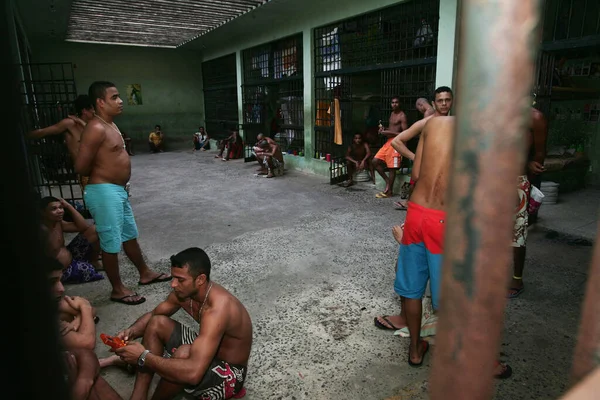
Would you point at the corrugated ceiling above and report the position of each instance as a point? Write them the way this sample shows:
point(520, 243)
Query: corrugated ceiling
point(157, 23)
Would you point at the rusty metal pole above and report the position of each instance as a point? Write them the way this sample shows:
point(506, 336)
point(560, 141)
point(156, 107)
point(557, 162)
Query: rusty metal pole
point(587, 351)
point(495, 76)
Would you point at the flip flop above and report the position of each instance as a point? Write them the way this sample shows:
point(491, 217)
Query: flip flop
point(160, 278)
point(382, 195)
point(507, 373)
point(129, 303)
point(413, 364)
point(391, 326)
point(517, 292)
point(400, 206)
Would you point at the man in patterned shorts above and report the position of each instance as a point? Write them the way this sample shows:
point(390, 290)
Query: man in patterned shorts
point(209, 363)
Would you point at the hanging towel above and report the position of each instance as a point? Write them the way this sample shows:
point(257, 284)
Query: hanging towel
point(337, 137)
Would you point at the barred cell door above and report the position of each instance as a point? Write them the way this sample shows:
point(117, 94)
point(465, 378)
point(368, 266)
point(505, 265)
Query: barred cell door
point(219, 78)
point(542, 85)
point(48, 91)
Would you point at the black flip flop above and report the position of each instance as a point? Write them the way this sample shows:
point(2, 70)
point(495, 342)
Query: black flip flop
point(507, 373)
point(129, 303)
point(158, 279)
point(391, 326)
point(413, 364)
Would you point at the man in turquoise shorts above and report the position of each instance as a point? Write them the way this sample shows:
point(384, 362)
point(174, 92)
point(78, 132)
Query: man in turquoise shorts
point(102, 156)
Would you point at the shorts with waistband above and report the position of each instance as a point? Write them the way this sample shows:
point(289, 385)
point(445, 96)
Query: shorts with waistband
point(420, 254)
point(221, 381)
point(521, 214)
point(110, 208)
point(388, 154)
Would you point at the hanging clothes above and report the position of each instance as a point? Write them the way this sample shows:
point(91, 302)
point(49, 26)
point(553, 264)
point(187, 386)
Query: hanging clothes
point(337, 137)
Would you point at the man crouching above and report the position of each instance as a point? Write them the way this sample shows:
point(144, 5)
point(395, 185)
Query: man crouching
point(211, 364)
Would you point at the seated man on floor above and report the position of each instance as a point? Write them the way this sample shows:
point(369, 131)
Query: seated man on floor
point(269, 154)
point(209, 364)
point(259, 138)
point(156, 140)
point(80, 257)
point(201, 140)
point(78, 339)
point(232, 147)
point(358, 157)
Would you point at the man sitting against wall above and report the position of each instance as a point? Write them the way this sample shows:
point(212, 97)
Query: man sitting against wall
point(156, 140)
point(232, 147)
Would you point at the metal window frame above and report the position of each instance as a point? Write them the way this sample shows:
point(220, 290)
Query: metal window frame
point(274, 70)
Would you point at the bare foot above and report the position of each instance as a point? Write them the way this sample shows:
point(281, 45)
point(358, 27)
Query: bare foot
point(110, 361)
point(270, 175)
point(97, 265)
point(398, 232)
point(417, 357)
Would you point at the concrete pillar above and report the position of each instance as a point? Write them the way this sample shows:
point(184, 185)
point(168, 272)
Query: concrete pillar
point(447, 55)
point(309, 83)
point(239, 71)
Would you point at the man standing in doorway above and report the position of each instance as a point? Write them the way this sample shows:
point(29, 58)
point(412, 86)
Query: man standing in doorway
point(387, 156)
point(536, 154)
point(102, 156)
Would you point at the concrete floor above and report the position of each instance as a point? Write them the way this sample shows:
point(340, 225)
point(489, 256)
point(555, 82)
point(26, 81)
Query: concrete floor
point(314, 263)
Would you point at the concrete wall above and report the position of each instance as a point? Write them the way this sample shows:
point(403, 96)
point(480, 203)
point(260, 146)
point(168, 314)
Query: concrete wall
point(171, 82)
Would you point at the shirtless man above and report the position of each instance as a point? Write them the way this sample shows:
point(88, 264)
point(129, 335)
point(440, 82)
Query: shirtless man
point(387, 156)
point(80, 257)
point(258, 152)
point(72, 127)
point(428, 111)
point(358, 157)
point(210, 363)
point(536, 154)
point(79, 339)
point(422, 238)
point(232, 146)
point(103, 157)
point(270, 153)
point(424, 107)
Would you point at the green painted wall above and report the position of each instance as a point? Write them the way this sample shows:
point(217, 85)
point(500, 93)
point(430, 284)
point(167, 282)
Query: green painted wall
point(171, 81)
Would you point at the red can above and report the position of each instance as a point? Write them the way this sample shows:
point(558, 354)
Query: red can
point(328, 157)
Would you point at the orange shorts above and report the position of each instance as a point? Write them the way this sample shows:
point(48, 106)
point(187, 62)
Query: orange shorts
point(389, 155)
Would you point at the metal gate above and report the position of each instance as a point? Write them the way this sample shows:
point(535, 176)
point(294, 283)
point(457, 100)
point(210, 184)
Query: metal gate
point(362, 62)
point(273, 95)
point(219, 79)
point(543, 82)
point(48, 91)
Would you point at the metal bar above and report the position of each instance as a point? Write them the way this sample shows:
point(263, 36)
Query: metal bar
point(584, 15)
point(368, 68)
point(488, 157)
point(558, 3)
point(587, 350)
point(570, 15)
point(567, 44)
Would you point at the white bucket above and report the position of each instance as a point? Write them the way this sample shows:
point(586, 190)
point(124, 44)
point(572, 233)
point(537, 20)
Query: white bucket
point(550, 190)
